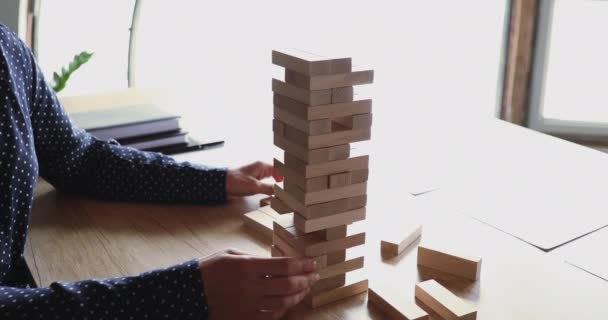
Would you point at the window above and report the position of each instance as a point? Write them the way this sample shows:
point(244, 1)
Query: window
point(431, 58)
point(67, 27)
point(570, 76)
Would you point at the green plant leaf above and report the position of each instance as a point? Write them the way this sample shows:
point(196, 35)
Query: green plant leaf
point(60, 80)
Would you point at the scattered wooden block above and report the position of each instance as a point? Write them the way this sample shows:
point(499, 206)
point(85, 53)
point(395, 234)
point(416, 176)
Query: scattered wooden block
point(322, 209)
point(356, 122)
point(329, 81)
point(329, 111)
point(340, 293)
point(322, 196)
point(312, 225)
point(334, 233)
point(448, 262)
point(328, 284)
point(336, 257)
point(311, 127)
point(327, 168)
point(265, 201)
point(443, 302)
point(260, 222)
point(309, 97)
point(395, 304)
point(339, 95)
point(398, 242)
point(313, 156)
point(307, 185)
point(309, 63)
point(341, 268)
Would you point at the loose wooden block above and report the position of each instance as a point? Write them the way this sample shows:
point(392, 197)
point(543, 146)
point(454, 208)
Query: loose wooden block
point(309, 97)
point(336, 257)
point(311, 127)
point(329, 81)
point(334, 233)
point(443, 302)
point(394, 304)
point(328, 111)
point(265, 201)
point(313, 244)
point(327, 168)
point(312, 225)
point(328, 284)
point(448, 262)
point(316, 197)
point(260, 222)
point(341, 268)
point(357, 122)
point(279, 206)
point(307, 185)
point(284, 219)
point(398, 242)
point(322, 209)
point(312, 156)
point(309, 63)
point(323, 298)
point(345, 94)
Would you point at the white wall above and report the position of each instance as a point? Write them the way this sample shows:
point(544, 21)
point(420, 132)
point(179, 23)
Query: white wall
point(13, 15)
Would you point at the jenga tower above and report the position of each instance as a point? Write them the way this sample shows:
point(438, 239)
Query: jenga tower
point(315, 120)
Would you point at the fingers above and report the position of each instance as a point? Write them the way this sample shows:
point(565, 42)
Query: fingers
point(283, 286)
point(264, 188)
point(283, 266)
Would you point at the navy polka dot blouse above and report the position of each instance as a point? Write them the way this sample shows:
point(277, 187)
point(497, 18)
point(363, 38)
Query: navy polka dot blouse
point(37, 138)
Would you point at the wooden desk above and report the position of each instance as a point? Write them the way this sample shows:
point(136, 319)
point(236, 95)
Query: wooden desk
point(73, 238)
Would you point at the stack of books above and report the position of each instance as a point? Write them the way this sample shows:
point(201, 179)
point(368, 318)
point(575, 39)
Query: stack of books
point(144, 127)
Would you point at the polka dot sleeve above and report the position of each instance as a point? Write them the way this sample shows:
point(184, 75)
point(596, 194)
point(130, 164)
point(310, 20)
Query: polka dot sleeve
point(72, 160)
point(172, 293)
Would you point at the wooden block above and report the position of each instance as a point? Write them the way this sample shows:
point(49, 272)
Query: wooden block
point(398, 242)
point(339, 136)
point(284, 219)
point(312, 156)
point(335, 233)
point(323, 298)
point(395, 304)
point(279, 206)
point(288, 251)
point(339, 95)
point(312, 225)
point(313, 244)
point(327, 168)
point(312, 184)
point(340, 179)
point(309, 63)
point(448, 262)
point(329, 111)
point(357, 122)
point(322, 209)
point(309, 97)
point(336, 257)
point(276, 252)
point(265, 201)
point(341, 268)
point(260, 222)
point(311, 127)
point(278, 128)
point(443, 302)
point(328, 284)
point(316, 197)
point(329, 81)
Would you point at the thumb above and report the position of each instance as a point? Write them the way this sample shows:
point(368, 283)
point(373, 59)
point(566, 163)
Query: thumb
point(265, 188)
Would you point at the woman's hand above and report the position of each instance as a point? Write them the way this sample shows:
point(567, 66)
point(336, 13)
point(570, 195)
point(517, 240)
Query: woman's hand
point(240, 286)
point(246, 181)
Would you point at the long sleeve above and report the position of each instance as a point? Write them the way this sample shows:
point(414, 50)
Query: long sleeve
point(36, 133)
point(172, 293)
point(73, 160)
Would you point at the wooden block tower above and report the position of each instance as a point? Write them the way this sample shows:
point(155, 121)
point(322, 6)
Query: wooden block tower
point(315, 119)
